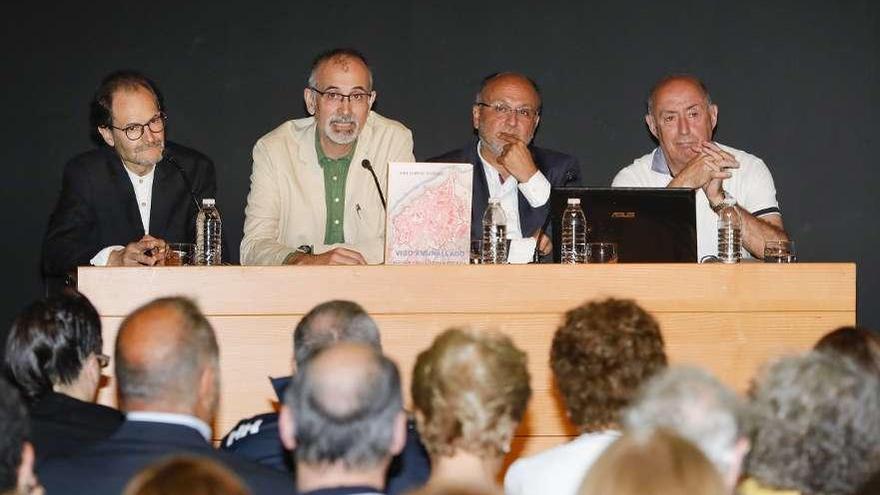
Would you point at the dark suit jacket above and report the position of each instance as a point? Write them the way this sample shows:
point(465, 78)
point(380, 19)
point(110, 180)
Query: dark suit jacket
point(559, 169)
point(97, 207)
point(106, 467)
point(62, 425)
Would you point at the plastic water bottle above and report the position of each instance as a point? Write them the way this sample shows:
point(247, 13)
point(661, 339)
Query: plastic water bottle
point(729, 232)
point(494, 249)
point(209, 229)
point(574, 233)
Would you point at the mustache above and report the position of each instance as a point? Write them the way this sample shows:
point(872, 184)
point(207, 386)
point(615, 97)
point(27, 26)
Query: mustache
point(145, 147)
point(342, 119)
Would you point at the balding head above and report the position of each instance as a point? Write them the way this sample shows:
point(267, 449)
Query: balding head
point(331, 322)
point(167, 360)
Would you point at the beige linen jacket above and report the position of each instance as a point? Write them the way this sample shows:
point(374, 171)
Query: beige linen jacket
point(286, 208)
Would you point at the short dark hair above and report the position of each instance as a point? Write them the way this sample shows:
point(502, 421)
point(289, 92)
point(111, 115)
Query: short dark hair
point(601, 354)
point(178, 374)
point(495, 75)
point(50, 341)
point(13, 434)
point(101, 109)
point(859, 344)
point(649, 100)
point(336, 53)
point(358, 435)
point(330, 322)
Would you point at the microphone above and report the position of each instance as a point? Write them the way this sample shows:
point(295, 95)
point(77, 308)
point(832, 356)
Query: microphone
point(189, 187)
point(366, 164)
point(570, 176)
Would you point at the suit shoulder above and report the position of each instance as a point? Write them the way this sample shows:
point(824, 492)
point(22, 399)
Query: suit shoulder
point(454, 156)
point(553, 158)
point(381, 123)
point(89, 160)
point(185, 153)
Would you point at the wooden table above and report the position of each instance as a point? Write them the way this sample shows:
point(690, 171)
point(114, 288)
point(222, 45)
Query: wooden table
point(727, 319)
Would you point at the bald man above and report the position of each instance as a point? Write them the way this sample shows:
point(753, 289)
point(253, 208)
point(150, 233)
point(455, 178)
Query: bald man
point(505, 116)
point(343, 413)
point(168, 378)
point(682, 118)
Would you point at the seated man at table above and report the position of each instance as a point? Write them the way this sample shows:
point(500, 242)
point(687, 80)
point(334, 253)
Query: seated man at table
point(507, 165)
point(119, 204)
point(682, 118)
point(316, 188)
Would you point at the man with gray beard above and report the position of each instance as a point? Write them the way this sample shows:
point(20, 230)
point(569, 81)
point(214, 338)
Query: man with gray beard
point(317, 184)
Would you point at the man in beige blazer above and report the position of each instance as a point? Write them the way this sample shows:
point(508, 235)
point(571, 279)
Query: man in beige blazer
point(313, 198)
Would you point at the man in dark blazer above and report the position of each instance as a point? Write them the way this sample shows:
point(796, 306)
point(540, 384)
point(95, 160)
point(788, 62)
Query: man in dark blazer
point(506, 114)
point(167, 371)
point(120, 204)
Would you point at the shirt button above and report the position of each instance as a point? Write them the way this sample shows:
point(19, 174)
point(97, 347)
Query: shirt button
point(335, 200)
point(336, 222)
point(143, 204)
point(141, 181)
point(334, 177)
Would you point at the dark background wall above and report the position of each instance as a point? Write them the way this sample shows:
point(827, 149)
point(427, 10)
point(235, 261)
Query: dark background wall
point(796, 81)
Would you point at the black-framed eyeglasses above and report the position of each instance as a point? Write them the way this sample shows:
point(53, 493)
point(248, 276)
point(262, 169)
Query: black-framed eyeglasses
point(135, 131)
point(333, 96)
point(505, 110)
point(103, 360)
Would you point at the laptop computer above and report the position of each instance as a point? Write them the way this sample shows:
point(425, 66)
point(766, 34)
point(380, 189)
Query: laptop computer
point(649, 225)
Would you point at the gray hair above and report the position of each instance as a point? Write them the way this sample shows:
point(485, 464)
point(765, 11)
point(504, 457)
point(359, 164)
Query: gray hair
point(332, 322)
point(696, 406)
point(818, 425)
point(175, 376)
point(649, 101)
point(359, 433)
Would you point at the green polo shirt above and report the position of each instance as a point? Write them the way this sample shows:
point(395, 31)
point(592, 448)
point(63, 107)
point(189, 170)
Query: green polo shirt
point(335, 175)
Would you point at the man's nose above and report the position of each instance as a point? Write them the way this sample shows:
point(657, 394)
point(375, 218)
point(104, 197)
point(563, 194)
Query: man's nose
point(150, 136)
point(684, 127)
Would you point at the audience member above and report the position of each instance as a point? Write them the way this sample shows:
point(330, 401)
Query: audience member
point(817, 427)
point(168, 376)
point(257, 438)
point(470, 391)
point(600, 356)
point(186, 475)
point(694, 405)
point(655, 462)
point(343, 412)
point(16, 453)
point(54, 353)
point(859, 344)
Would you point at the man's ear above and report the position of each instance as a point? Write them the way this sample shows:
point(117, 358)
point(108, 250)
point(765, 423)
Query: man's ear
point(309, 97)
point(372, 99)
point(713, 114)
point(398, 437)
point(475, 115)
point(107, 135)
point(209, 394)
point(287, 428)
point(27, 480)
point(652, 124)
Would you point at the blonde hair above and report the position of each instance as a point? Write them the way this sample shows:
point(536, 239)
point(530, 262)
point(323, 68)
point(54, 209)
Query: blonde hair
point(656, 462)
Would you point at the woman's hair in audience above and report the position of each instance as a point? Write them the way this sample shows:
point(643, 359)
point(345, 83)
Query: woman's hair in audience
point(652, 461)
point(817, 425)
point(13, 434)
point(601, 355)
point(859, 344)
point(50, 341)
point(186, 474)
point(470, 389)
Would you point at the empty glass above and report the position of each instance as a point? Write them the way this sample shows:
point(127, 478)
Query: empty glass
point(601, 252)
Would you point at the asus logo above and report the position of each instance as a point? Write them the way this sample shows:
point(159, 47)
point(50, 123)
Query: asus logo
point(623, 214)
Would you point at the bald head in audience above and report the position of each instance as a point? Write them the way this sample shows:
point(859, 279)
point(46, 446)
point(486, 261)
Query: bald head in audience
point(167, 360)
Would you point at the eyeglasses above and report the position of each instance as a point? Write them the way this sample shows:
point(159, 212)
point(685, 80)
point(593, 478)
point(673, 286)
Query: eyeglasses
point(103, 360)
point(505, 110)
point(135, 131)
point(356, 98)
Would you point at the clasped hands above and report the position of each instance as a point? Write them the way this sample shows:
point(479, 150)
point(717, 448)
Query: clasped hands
point(707, 170)
point(148, 251)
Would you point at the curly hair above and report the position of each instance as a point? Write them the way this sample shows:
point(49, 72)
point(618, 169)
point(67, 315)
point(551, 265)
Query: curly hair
point(600, 356)
point(817, 426)
point(470, 389)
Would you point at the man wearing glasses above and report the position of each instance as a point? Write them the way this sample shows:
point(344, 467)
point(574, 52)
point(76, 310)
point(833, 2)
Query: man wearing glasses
point(317, 186)
point(505, 115)
point(119, 204)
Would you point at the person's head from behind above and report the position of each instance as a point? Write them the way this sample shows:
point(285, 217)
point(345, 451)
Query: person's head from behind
point(167, 360)
point(699, 408)
point(16, 453)
point(331, 322)
point(55, 345)
point(186, 474)
point(600, 356)
point(652, 461)
point(817, 425)
point(859, 344)
point(343, 412)
point(470, 390)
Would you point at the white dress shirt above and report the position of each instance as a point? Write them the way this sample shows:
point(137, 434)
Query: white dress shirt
point(143, 193)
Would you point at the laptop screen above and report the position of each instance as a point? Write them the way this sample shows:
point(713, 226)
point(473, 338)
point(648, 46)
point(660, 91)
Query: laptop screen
point(649, 225)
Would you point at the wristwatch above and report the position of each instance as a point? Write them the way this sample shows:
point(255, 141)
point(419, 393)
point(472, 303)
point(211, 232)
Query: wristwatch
point(718, 206)
point(304, 249)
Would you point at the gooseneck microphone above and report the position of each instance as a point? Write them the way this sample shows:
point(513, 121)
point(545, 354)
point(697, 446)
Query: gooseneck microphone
point(366, 164)
point(189, 187)
point(570, 176)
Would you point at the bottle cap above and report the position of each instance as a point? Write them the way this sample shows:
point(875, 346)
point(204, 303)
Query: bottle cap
point(574, 201)
point(208, 202)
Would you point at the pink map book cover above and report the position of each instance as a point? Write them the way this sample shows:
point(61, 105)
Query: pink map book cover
point(429, 213)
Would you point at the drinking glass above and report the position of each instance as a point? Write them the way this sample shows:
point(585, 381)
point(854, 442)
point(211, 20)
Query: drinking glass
point(180, 254)
point(778, 251)
point(601, 252)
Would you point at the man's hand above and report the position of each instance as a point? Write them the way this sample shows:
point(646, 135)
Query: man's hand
point(724, 161)
point(516, 158)
point(148, 251)
point(545, 245)
point(335, 256)
point(710, 165)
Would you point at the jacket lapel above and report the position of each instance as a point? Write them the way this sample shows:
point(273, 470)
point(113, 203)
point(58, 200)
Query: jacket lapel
point(480, 197)
point(124, 192)
point(160, 208)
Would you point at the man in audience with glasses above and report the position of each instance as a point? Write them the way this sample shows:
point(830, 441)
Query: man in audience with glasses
point(317, 186)
point(119, 204)
point(506, 114)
